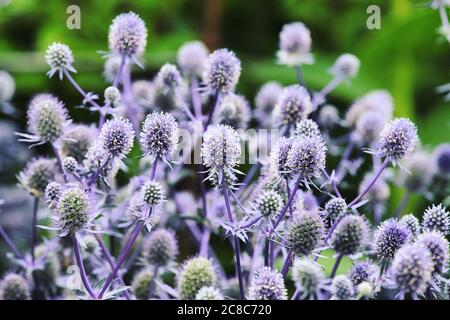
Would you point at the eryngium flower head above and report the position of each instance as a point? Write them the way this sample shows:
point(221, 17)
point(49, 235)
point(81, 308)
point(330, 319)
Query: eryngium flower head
point(398, 139)
point(47, 118)
point(53, 191)
point(38, 173)
point(363, 271)
point(305, 233)
point(159, 135)
point(233, 110)
point(161, 248)
point(342, 288)
point(144, 92)
point(335, 207)
point(14, 287)
point(411, 269)
point(7, 86)
point(265, 101)
point(222, 70)
point(390, 236)
point(437, 244)
point(308, 277)
point(436, 218)
point(220, 147)
point(168, 77)
point(59, 57)
point(307, 128)
point(278, 158)
point(141, 284)
point(209, 293)
point(127, 34)
point(116, 136)
point(293, 105)
point(267, 285)
point(70, 165)
point(442, 158)
point(268, 203)
point(419, 172)
point(306, 157)
point(112, 95)
point(73, 209)
point(191, 58)
point(328, 116)
point(368, 127)
point(379, 101)
point(195, 274)
point(412, 224)
point(346, 66)
point(295, 45)
point(152, 193)
point(77, 142)
point(350, 235)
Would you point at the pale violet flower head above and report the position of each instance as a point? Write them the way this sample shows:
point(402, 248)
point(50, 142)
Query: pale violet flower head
point(379, 101)
point(233, 110)
point(265, 101)
point(419, 172)
point(59, 57)
point(441, 157)
point(127, 35)
point(295, 45)
point(116, 137)
point(368, 127)
point(307, 128)
point(437, 244)
point(267, 285)
point(346, 66)
point(278, 165)
point(191, 58)
point(390, 236)
point(37, 174)
point(398, 139)
point(342, 288)
point(309, 278)
point(436, 218)
point(293, 105)
point(168, 77)
point(221, 71)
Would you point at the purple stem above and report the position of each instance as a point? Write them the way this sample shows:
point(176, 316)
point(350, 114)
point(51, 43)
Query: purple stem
point(250, 223)
point(288, 189)
point(336, 265)
point(98, 172)
point(249, 177)
point(213, 108)
point(401, 206)
point(340, 174)
point(84, 278)
point(196, 98)
point(131, 107)
point(287, 263)
point(236, 247)
point(333, 183)
point(10, 244)
point(375, 178)
point(33, 228)
point(119, 71)
point(59, 161)
point(80, 90)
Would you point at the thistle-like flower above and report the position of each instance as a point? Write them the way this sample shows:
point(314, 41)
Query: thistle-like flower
point(346, 66)
point(141, 284)
point(267, 285)
point(328, 116)
point(412, 224)
point(305, 233)
point(379, 101)
point(309, 278)
point(306, 157)
point(350, 235)
point(364, 271)
point(436, 218)
point(38, 173)
point(53, 191)
point(295, 45)
point(209, 293)
point(73, 209)
point(152, 193)
point(144, 93)
point(368, 127)
point(222, 70)
point(70, 165)
point(268, 203)
point(112, 95)
point(168, 78)
point(411, 270)
point(278, 165)
point(342, 288)
point(191, 58)
point(307, 128)
point(78, 141)
point(195, 274)
point(127, 35)
point(293, 105)
point(390, 236)
point(441, 157)
point(116, 137)
point(47, 120)
point(159, 135)
point(160, 248)
point(265, 102)
point(59, 57)
point(233, 110)
point(437, 244)
point(398, 139)
point(220, 152)
point(335, 207)
point(14, 287)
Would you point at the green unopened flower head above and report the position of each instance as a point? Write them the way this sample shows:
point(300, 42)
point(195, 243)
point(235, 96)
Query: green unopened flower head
point(309, 277)
point(195, 274)
point(342, 288)
point(161, 248)
point(306, 233)
point(209, 293)
point(141, 284)
point(73, 208)
point(350, 235)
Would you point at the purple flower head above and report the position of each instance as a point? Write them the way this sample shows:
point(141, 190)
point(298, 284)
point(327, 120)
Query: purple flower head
point(328, 116)
point(307, 128)
point(191, 58)
point(222, 70)
point(116, 137)
point(436, 218)
point(305, 233)
point(7, 86)
point(335, 207)
point(309, 278)
point(364, 271)
point(412, 224)
point(419, 173)
point(70, 165)
point(160, 248)
point(268, 203)
point(97, 158)
point(307, 156)
point(379, 101)
point(59, 57)
point(127, 35)
point(152, 193)
point(159, 135)
point(233, 110)
point(437, 244)
point(398, 139)
point(265, 101)
point(279, 156)
point(38, 173)
point(342, 288)
point(295, 45)
point(306, 201)
point(368, 127)
point(350, 235)
point(168, 77)
point(293, 105)
point(14, 287)
point(411, 269)
point(53, 191)
point(442, 158)
point(47, 119)
point(267, 285)
point(346, 66)
point(389, 237)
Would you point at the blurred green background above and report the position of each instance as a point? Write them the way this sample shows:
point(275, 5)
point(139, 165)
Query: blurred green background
point(406, 56)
